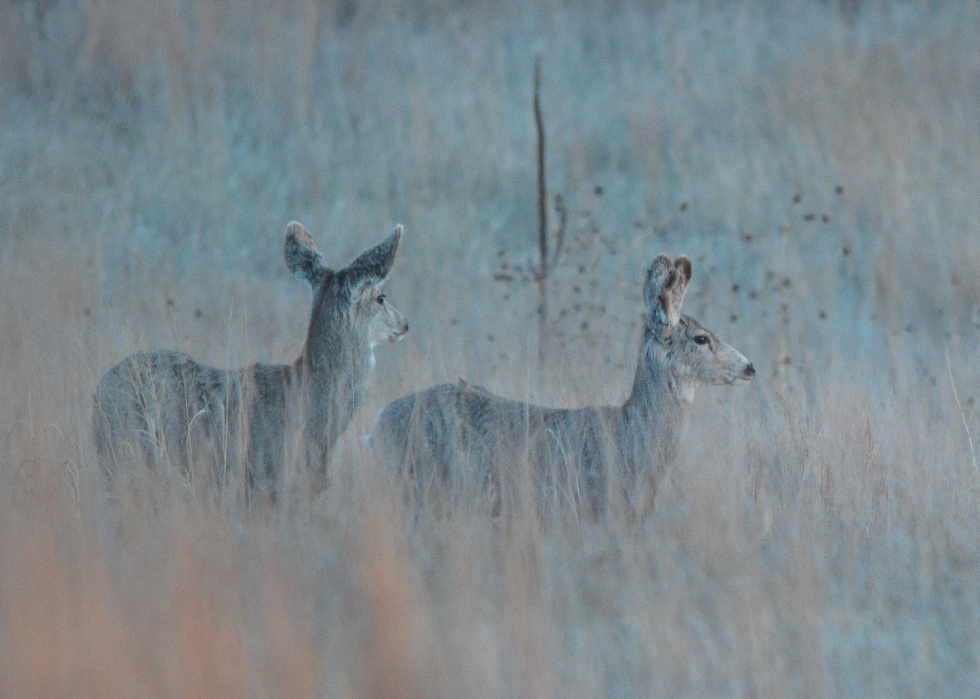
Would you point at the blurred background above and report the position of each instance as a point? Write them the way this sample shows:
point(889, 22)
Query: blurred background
point(819, 161)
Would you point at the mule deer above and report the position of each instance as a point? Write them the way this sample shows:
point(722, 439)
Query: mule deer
point(463, 435)
point(163, 407)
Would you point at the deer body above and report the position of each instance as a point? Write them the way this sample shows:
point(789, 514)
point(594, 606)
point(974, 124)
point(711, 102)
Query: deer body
point(164, 407)
point(460, 433)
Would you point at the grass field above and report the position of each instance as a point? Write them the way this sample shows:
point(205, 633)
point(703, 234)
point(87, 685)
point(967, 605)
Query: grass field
point(818, 161)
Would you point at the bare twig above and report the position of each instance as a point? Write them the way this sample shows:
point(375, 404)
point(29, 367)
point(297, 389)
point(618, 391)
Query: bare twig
point(542, 188)
point(560, 233)
point(542, 271)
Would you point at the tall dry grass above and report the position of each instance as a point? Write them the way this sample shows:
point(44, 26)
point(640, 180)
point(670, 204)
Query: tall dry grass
point(819, 536)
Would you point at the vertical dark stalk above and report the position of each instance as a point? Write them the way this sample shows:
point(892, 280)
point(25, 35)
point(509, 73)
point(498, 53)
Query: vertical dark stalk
point(542, 275)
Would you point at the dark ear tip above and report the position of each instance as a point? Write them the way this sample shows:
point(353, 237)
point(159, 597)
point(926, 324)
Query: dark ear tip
point(683, 263)
point(395, 237)
point(296, 233)
point(390, 244)
point(660, 264)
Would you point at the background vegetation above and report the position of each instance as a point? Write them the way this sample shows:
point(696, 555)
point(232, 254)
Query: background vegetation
point(819, 162)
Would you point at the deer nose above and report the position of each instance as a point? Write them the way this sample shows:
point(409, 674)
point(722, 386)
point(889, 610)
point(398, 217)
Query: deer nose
point(750, 370)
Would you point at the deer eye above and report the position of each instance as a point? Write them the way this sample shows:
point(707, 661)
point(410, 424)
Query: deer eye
point(700, 339)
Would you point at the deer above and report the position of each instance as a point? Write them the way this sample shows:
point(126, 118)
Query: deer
point(463, 436)
point(158, 409)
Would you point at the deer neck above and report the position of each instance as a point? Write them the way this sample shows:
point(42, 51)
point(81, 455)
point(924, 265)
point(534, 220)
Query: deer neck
point(656, 389)
point(655, 415)
point(332, 374)
point(336, 363)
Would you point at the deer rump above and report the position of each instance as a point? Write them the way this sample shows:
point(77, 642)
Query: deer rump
point(160, 409)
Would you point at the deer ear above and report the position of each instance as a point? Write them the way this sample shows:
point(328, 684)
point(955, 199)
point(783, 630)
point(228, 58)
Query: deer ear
point(303, 257)
point(373, 265)
point(683, 265)
point(665, 288)
point(659, 275)
point(672, 294)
